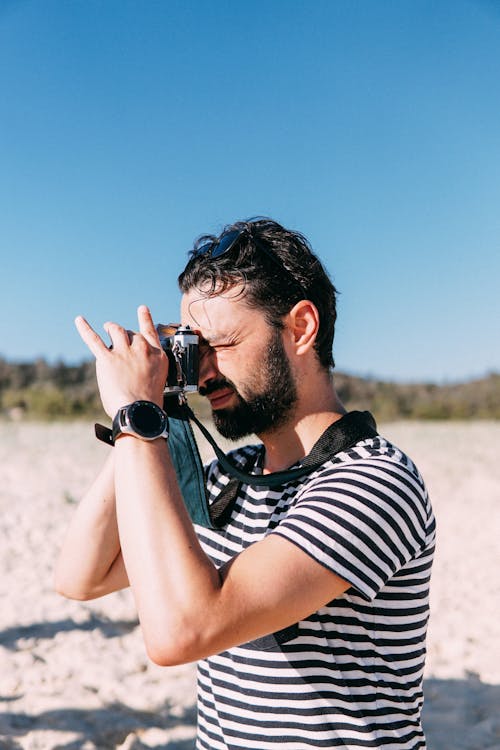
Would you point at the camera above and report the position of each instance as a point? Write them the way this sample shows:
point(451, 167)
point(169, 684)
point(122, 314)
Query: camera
point(180, 344)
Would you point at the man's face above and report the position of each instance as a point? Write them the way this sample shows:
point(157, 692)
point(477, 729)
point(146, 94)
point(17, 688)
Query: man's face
point(244, 369)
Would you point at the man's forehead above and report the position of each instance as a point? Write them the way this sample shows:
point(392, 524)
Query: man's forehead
point(213, 313)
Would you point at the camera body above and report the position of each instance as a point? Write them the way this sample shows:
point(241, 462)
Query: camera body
point(180, 344)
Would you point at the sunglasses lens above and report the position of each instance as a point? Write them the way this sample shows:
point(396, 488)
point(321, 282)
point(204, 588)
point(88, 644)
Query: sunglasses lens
point(203, 249)
point(226, 243)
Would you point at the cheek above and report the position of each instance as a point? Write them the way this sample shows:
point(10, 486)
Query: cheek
point(225, 366)
point(239, 371)
point(229, 362)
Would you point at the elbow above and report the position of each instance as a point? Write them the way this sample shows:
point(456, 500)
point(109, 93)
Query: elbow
point(169, 656)
point(61, 586)
point(68, 590)
point(77, 596)
point(172, 649)
point(166, 657)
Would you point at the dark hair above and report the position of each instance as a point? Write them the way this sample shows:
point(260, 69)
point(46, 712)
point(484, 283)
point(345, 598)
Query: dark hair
point(277, 268)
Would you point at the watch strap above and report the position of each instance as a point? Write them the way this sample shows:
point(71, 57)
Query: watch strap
point(104, 433)
point(109, 436)
point(117, 427)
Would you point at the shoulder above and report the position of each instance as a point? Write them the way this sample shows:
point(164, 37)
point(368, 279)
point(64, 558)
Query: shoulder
point(364, 514)
point(372, 458)
point(373, 479)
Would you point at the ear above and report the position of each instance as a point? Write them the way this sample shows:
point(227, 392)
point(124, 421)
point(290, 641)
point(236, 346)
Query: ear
point(303, 324)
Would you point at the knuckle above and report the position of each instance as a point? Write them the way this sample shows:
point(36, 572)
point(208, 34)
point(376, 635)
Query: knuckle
point(140, 343)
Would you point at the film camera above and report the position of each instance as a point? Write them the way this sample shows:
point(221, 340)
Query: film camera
point(180, 344)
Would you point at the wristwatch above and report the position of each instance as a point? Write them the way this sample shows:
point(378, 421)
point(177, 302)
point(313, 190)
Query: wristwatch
point(143, 419)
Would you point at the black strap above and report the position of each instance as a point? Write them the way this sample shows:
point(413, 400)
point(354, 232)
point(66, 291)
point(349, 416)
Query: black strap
point(341, 435)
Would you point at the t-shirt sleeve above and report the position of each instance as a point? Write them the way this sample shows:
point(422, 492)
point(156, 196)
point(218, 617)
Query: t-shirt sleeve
point(364, 522)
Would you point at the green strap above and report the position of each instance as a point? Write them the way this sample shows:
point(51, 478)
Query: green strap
point(189, 469)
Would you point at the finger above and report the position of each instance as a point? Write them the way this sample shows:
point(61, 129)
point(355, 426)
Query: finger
point(89, 336)
point(147, 327)
point(119, 336)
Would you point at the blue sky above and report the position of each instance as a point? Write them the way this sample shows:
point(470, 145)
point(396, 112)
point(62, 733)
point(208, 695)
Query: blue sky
point(128, 128)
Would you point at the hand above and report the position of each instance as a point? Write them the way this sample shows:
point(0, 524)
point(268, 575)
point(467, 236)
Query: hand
point(134, 368)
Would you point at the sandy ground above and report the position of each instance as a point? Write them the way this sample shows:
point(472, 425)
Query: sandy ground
point(74, 676)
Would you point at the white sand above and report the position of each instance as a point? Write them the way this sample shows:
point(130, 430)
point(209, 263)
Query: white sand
point(74, 676)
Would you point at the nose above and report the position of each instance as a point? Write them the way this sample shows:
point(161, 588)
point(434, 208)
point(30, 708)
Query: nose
point(208, 366)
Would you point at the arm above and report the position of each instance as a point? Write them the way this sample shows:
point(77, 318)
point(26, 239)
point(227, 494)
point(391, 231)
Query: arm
point(188, 609)
point(90, 563)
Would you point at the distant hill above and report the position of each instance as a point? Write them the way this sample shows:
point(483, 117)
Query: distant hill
point(38, 390)
point(474, 399)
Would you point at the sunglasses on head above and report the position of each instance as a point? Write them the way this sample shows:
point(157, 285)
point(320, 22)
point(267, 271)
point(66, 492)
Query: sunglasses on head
point(216, 248)
point(225, 244)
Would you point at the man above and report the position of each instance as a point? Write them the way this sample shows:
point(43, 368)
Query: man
point(307, 609)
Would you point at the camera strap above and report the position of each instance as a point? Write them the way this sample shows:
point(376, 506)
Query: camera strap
point(338, 437)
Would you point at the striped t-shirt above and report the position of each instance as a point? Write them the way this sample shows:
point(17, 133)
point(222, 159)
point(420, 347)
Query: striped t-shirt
point(350, 675)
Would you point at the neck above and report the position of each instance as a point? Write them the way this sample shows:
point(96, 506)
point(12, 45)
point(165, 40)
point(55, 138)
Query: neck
point(292, 441)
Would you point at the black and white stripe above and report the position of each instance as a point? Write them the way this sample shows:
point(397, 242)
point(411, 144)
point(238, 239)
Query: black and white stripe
point(352, 675)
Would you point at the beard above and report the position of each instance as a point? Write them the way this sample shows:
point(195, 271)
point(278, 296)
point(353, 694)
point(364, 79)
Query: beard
point(259, 410)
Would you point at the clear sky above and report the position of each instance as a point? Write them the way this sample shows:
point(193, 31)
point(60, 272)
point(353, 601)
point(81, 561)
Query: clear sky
point(130, 127)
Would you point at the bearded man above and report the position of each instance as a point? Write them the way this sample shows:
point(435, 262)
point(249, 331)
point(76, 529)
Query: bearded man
point(307, 607)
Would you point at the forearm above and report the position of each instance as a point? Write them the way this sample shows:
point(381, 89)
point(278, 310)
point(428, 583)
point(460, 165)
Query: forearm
point(90, 562)
point(175, 585)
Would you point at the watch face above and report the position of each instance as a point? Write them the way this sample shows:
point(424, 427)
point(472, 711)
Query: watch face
point(147, 419)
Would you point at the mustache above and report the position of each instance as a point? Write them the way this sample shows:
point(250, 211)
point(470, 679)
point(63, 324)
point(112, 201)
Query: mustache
point(215, 385)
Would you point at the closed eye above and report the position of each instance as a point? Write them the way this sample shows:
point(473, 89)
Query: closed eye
point(219, 346)
point(224, 345)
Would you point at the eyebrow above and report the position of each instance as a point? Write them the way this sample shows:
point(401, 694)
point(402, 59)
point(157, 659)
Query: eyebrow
point(214, 338)
point(219, 337)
